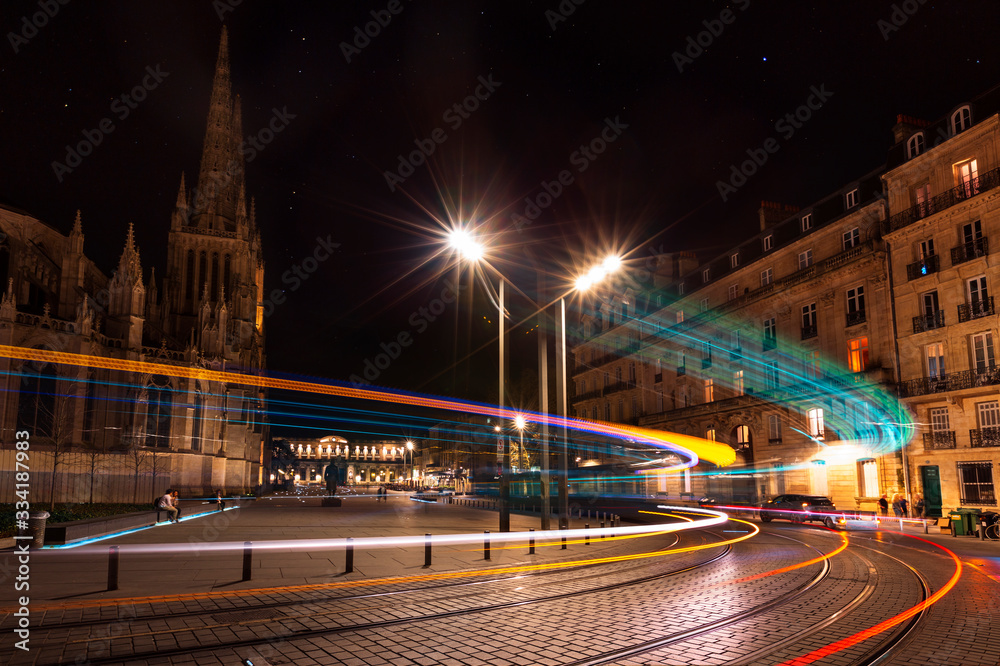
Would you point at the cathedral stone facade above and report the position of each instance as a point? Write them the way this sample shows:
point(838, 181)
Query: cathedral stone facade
point(100, 435)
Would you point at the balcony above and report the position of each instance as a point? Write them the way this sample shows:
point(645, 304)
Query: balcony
point(939, 439)
point(809, 332)
point(928, 322)
point(984, 437)
point(769, 342)
point(969, 251)
point(618, 386)
point(953, 381)
point(681, 370)
point(976, 309)
point(658, 377)
point(855, 318)
point(943, 201)
point(925, 266)
point(706, 362)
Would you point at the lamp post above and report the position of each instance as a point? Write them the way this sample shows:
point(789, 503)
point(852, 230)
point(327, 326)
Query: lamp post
point(472, 250)
point(409, 477)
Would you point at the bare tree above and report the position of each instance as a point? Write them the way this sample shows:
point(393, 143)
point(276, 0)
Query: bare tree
point(138, 458)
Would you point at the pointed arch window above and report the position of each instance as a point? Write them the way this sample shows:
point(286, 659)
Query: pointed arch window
point(189, 277)
point(213, 295)
point(227, 285)
point(196, 416)
point(158, 412)
point(202, 272)
point(36, 408)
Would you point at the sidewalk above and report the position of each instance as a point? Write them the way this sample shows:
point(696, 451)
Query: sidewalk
point(187, 558)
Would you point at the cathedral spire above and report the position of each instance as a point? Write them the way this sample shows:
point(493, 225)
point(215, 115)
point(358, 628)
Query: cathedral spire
point(129, 266)
point(221, 172)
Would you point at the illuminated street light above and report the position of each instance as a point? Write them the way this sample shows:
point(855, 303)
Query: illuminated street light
point(519, 423)
point(409, 447)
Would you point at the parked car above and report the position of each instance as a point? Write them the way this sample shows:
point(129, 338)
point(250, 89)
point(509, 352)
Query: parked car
point(799, 509)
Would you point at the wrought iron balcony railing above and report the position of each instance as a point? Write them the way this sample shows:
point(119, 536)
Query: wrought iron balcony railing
point(927, 322)
point(939, 439)
point(976, 309)
point(984, 437)
point(953, 381)
point(856, 317)
point(681, 370)
point(809, 332)
point(969, 251)
point(943, 201)
point(925, 266)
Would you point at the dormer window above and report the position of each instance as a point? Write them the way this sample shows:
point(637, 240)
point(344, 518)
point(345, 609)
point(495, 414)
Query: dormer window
point(961, 120)
point(851, 199)
point(806, 223)
point(734, 260)
point(915, 145)
point(768, 242)
point(706, 275)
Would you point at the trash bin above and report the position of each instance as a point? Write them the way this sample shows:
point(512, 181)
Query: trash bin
point(36, 526)
point(969, 519)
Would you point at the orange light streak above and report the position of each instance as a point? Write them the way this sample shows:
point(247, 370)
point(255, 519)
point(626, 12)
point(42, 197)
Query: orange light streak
point(690, 447)
point(850, 641)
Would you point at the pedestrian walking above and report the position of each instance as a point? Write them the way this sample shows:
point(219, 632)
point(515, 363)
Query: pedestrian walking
point(897, 507)
point(919, 508)
point(883, 506)
point(905, 506)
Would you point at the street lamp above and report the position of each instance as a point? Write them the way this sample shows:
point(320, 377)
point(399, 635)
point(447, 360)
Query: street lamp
point(520, 423)
point(472, 250)
point(409, 477)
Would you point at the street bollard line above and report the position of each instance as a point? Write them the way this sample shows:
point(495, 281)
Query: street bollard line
point(113, 568)
point(486, 545)
point(427, 550)
point(349, 556)
point(247, 559)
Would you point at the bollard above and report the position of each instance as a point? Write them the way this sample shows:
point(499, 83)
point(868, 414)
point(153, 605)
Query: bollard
point(531, 543)
point(427, 550)
point(112, 568)
point(349, 556)
point(982, 531)
point(563, 541)
point(247, 559)
point(925, 527)
point(486, 545)
point(586, 537)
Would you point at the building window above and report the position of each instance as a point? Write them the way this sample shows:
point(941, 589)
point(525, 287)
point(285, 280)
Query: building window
point(659, 401)
point(975, 481)
point(738, 382)
point(857, 354)
point(923, 197)
point(856, 302)
point(961, 120)
point(709, 390)
point(706, 354)
point(36, 407)
point(935, 360)
point(813, 365)
point(704, 304)
point(158, 412)
point(734, 260)
point(770, 333)
point(706, 275)
point(851, 238)
point(771, 375)
point(680, 316)
point(736, 337)
point(806, 222)
point(809, 321)
point(988, 414)
point(816, 427)
point(939, 419)
point(710, 434)
point(773, 428)
point(743, 438)
point(967, 177)
point(915, 145)
point(868, 477)
point(734, 291)
point(766, 276)
point(768, 242)
point(805, 259)
point(982, 352)
point(680, 288)
point(851, 199)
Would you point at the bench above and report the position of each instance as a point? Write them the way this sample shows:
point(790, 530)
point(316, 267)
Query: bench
point(62, 533)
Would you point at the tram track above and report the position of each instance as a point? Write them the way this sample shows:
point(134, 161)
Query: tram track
point(274, 612)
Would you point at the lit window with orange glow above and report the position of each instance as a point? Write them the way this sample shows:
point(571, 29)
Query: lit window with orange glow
point(857, 354)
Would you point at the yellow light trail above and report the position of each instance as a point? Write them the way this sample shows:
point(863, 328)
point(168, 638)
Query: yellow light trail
point(691, 447)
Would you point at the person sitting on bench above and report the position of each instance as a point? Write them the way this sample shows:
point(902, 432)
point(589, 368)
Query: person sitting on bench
point(166, 503)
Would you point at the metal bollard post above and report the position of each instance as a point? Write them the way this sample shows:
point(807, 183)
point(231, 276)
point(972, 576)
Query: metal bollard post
point(112, 568)
point(427, 550)
point(925, 527)
point(563, 543)
point(982, 531)
point(586, 537)
point(486, 545)
point(531, 543)
point(247, 559)
point(349, 556)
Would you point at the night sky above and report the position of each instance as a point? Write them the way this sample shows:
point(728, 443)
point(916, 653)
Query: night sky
point(548, 84)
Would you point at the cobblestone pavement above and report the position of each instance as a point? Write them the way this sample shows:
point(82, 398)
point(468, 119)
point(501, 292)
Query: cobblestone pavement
point(766, 600)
